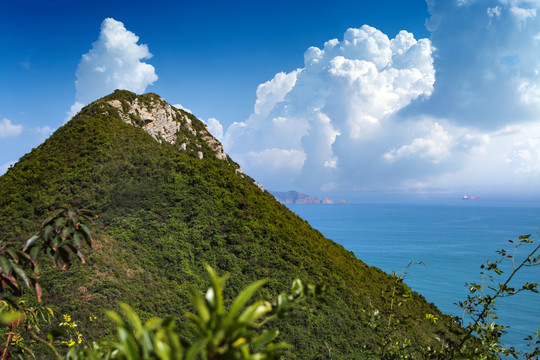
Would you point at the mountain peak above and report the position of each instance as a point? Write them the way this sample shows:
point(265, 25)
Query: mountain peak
point(164, 123)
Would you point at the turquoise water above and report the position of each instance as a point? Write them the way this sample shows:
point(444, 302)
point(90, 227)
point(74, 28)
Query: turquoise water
point(453, 238)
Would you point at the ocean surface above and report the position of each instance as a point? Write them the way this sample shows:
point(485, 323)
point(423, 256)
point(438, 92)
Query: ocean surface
point(452, 237)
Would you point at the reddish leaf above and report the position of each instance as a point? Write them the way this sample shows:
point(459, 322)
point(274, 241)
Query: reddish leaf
point(37, 287)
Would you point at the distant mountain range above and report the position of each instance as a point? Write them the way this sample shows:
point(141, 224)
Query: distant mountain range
point(295, 197)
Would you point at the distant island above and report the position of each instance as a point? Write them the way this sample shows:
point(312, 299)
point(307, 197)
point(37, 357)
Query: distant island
point(295, 197)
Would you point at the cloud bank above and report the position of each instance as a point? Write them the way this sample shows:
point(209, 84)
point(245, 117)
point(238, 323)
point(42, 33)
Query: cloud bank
point(113, 62)
point(7, 129)
point(487, 62)
point(458, 111)
point(330, 122)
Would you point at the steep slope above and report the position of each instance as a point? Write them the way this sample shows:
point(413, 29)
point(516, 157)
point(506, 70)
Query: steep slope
point(169, 200)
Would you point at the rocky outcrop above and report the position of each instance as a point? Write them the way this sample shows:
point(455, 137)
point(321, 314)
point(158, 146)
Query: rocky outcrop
point(166, 123)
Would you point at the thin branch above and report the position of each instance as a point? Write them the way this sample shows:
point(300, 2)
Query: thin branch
point(50, 345)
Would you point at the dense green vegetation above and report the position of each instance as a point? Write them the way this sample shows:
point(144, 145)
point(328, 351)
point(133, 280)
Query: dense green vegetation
point(238, 331)
point(164, 213)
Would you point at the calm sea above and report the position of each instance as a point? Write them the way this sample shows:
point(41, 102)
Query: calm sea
point(453, 238)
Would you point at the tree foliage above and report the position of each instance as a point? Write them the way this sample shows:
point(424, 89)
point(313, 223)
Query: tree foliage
point(240, 329)
point(219, 333)
point(61, 236)
point(59, 239)
point(479, 308)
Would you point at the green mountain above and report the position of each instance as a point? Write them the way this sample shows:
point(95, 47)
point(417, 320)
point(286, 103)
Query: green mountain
point(170, 200)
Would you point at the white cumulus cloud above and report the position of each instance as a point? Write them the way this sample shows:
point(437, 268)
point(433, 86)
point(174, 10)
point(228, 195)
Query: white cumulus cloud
point(179, 106)
point(44, 132)
point(273, 165)
point(113, 62)
point(434, 146)
point(314, 119)
point(215, 128)
point(8, 129)
point(75, 108)
point(370, 112)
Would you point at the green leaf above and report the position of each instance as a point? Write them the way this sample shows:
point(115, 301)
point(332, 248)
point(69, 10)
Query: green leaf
point(200, 304)
point(255, 311)
point(5, 265)
point(86, 233)
point(24, 256)
point(115, 318)
point(132, 317)
point(7, 317)
point(297, 286)
point(57, 240)
point(129, 345)
point(263, 339)
point(47, 221)
point(65, 233)
point(21, 274)
point(47, 232)
point(30, 242)
point(214, 295)
point(58, 223)
point(13, 253)
point(77, 240)
point(244, 296)
point(195, 349)
point(37, 269)
point(34, 254)
point(168, 344)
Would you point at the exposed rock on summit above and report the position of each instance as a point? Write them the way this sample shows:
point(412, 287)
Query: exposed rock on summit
point(166, 123)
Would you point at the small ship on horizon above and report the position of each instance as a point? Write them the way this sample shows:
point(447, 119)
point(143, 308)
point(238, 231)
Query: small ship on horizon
point(466, 197)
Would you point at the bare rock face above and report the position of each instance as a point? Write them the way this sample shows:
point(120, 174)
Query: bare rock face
point(166, 123)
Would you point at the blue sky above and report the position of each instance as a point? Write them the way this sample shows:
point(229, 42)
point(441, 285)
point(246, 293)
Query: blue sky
point(415, 96)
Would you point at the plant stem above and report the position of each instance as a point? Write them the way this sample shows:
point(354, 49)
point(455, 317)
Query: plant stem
point(501, 289)
point(50, 345)
point(4, 353)
point(486, 306)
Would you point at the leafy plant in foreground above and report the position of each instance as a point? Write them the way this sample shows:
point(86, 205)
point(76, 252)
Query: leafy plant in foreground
point(21, 318)
point(236, 333)
point(479, 306)
point(397, 293)
point(61, 236)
